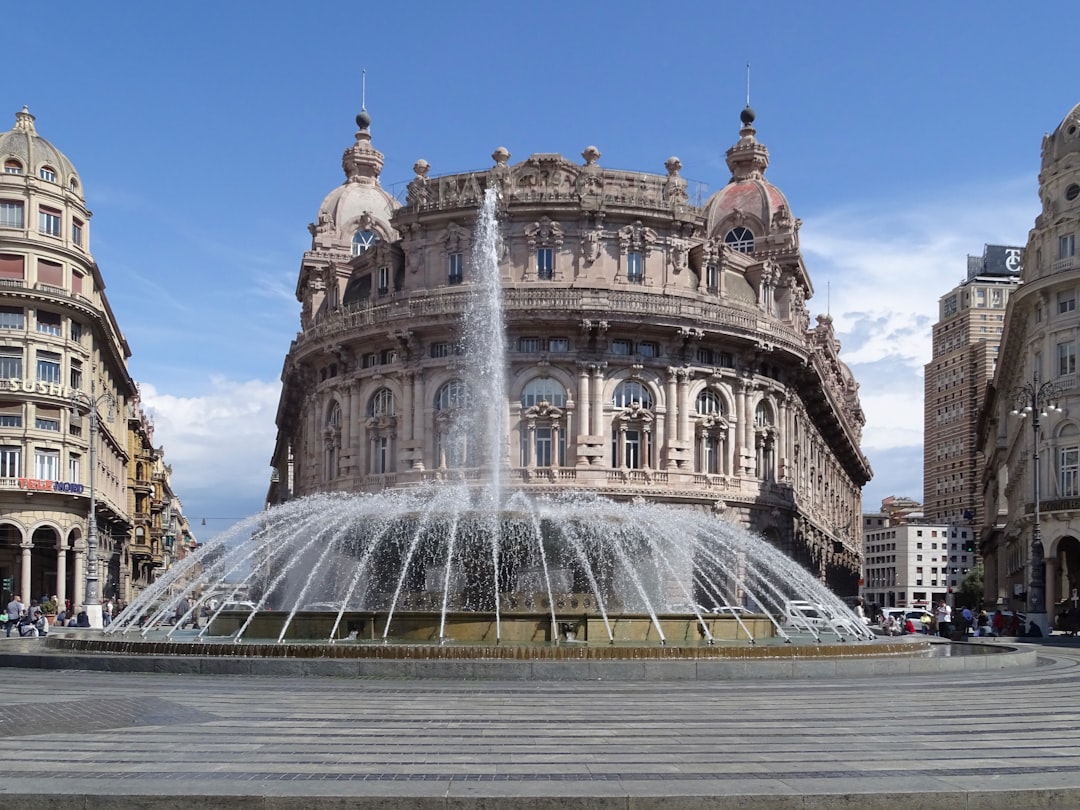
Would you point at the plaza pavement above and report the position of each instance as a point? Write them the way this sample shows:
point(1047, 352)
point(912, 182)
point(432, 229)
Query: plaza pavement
point(120, 740)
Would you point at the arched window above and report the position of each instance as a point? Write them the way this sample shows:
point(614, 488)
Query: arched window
point(333, 415)
point(709, 403)
point(763, 415)
point(451, 395)
point(12, 166)
point(543, 389)
point(47, 173)
point(740, 239)
point(362, 240)
point(631, 437)
point(382, 403)
point(452, 447)
point(630, 392)
point(543, 434)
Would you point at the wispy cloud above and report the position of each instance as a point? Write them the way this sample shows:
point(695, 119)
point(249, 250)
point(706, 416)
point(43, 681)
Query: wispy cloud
point(880, 270)
point(218, 442)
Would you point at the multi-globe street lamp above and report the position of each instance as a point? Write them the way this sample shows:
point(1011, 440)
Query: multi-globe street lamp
point(1038, 400)
point(81, 401)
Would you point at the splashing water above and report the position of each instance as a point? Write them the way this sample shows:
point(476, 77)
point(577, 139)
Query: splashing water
point(449, 548)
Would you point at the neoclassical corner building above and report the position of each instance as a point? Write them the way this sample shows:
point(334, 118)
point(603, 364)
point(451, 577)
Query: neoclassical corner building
point(657, 349)
point(1039, 349)
point(61, 350)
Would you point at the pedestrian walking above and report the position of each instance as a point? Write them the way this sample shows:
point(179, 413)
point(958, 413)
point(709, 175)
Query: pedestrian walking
point(15, 610)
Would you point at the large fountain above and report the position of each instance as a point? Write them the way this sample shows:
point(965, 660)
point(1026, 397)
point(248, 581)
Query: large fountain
point(471, 562)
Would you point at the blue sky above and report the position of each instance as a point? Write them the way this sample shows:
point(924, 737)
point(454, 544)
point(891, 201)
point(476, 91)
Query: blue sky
point(905, 135)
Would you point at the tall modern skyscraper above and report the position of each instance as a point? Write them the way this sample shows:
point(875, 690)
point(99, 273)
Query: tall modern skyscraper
point(966, 338)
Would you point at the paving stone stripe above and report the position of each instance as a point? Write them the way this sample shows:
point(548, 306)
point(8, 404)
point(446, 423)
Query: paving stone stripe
point(142, 740)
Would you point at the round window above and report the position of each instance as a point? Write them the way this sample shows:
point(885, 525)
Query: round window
point(1072, 192)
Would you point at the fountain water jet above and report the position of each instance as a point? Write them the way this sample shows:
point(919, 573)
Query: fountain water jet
point(615, 572)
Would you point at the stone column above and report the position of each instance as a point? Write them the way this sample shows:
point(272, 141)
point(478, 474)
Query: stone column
point(584, 400)
point(671, 419)
point(408, 428)
point(24, 576)
point(597, 392)
point(684, 407)
point(419, 410)
point(80, 578)
point(61, 574)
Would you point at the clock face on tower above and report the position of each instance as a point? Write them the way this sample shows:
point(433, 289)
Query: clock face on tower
point(740, 239)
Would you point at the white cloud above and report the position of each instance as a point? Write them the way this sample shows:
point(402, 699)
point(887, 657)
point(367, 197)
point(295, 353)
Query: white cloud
point(218, 442)
point(879, 271)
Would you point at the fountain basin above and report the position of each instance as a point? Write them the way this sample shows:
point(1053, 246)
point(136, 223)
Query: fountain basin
point(519, 627)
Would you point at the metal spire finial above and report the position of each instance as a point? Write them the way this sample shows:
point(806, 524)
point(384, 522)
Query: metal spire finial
point(747, 84)
point(363, 90)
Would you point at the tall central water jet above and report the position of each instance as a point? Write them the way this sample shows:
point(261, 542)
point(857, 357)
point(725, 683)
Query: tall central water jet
point(485, 348)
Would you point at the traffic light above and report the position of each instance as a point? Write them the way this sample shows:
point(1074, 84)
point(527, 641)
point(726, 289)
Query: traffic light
point(969, 546)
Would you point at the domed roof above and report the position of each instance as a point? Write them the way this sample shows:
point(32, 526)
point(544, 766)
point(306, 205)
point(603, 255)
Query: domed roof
point(748, 200)
point(33, 153)
point(1065, 139)
point(360, 197)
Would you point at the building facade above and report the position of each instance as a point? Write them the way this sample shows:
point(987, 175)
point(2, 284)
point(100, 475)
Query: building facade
point(64, 387)
point(657, 349)
point(966, 339)
point(909, 561)
point(1034, 475)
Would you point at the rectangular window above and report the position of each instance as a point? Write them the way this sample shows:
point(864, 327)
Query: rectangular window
point(48, 221)
point(712, 276)
point(1066, 301)
point(384, 280)
point(76, 332)
point(704, 356)
point(11, 414)
point(76, 232)
point(46, 464)
point(529, 344)
point(1066, 246)
point(1069, 467)
point(48, 323)
point(455, 270)
point(648, 348)
point(11, 214)
point(558, 345)
point(47, 423)
point(48, 367)
point(370, 360)
point(387, 356)
point(76, 282)
point(76, 374)
point(74, 468)
point(12, 318)
point(10, 462)
point(621, 347)
point(545, 263)
point(12, 266)
point(1066, 356)
point(11, 363)
point(635, 267)
point(440, 349)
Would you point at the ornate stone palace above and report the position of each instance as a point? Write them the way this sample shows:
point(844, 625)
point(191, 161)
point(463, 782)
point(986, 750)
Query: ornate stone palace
point(657, 349)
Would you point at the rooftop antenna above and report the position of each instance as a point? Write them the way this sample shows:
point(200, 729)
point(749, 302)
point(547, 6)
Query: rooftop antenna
point(747, 84)
point(363, 90)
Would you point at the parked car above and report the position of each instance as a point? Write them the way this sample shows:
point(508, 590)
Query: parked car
point(806, 614)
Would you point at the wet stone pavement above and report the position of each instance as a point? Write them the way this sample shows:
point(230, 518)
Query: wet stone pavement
point(77, 739)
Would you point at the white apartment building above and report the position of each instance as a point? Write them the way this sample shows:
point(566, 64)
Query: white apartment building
point(912, 563)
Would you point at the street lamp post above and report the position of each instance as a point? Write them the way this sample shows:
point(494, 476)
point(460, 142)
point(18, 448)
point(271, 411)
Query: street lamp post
point(92, 595)
point(1038, 400)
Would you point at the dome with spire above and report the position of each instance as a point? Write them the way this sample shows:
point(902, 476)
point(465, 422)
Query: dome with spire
point(359, 209)
point(25, 152)
point(749, 208)
point(1065, 140)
